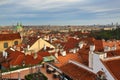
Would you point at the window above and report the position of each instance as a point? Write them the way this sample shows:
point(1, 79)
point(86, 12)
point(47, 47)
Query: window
point(16, 43)
point(5, 45)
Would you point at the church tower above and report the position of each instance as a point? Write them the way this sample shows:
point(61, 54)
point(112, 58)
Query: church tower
point(19, 27)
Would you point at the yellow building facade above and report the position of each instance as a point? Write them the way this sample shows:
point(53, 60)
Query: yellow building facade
point(9, 40)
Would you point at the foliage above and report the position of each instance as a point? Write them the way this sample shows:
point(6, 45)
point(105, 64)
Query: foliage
point(14, 68)
point(36, 76)
point(109, 34)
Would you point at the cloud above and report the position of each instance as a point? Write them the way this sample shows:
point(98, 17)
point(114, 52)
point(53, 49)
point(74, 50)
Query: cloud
point(60, 11)
point(46, 4)
point(4, 2)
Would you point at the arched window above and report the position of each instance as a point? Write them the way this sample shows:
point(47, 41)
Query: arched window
point(5, 45)
point(16, 43)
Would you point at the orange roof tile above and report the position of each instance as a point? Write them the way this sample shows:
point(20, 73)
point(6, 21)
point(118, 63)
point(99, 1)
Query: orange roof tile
point(32, 40)
point(29, 60)
point(43, 54)
point(17, 58)
point(114, 67)
point(4, 37)
point(64, 59)
point(77, 73)
point(113, 53)
point(71, 43)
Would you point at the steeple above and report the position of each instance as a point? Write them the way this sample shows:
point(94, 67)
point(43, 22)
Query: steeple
point(19, 27)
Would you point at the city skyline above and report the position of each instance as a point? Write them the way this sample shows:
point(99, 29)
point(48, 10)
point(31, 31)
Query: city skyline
point(59, 12)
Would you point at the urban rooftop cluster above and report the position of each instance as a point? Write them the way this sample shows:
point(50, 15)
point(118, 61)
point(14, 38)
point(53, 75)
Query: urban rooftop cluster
point(71, 53)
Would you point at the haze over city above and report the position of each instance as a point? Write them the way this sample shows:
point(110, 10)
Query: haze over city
point(59, 12)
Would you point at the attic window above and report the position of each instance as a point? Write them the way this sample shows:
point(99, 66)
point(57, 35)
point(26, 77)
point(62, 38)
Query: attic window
point(16, 43)
point(5, 45)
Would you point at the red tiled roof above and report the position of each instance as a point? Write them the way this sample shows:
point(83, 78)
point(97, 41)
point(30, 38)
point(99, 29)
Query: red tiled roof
point(43, 54)
point(113, 53)
point(4, 37)
point(16, 58)
point(84, 55)
point(29, 60)
point(19, 60)
point(114, 67)
point(64, 59)
point(32, 40)
point(77, 73)
point(98, 45)
point(71, 43)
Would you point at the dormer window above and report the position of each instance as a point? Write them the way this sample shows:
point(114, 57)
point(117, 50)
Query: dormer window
point(5, 45)
point(16, 43)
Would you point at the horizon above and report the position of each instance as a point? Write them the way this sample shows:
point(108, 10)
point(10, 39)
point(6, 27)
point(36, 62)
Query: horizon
point(59, 12)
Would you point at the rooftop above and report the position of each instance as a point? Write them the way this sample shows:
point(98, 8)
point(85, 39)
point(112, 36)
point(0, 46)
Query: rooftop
point(77, 73)
point(113, 65)
point(62, 60)
point(13, 36)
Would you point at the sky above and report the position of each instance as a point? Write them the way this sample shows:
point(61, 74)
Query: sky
point(59, 12)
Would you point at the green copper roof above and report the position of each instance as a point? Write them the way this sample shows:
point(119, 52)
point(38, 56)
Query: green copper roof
point(18, 26)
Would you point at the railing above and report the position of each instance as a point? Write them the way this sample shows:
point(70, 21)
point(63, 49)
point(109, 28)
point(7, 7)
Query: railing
point(5, 73)
point(54, 67)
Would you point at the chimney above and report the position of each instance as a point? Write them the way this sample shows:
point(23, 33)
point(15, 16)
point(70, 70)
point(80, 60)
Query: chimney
point(114, 48)
point(92, 48)
point(91, 59)
point(63, 53)
point(28, 46)
point(35, 55)
point(44, 47)
point(106, 48)
point(5, 54)
point(80, 45)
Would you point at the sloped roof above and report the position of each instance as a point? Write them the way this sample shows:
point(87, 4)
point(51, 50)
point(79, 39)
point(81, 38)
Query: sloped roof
point(32, 40)
point(43, 54)
point(77, 73)
point(13, 36)
point(64, 59)
point(113, 53)
point(71, 43)
point(29, 59)
point(113, 65)
point(15, 56)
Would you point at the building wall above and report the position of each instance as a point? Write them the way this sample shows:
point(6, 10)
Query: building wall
point(10, 43)
point(98, 66)
point(39, 44)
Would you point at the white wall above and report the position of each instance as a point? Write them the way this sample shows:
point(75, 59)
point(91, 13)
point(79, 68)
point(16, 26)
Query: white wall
point(98, 65)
